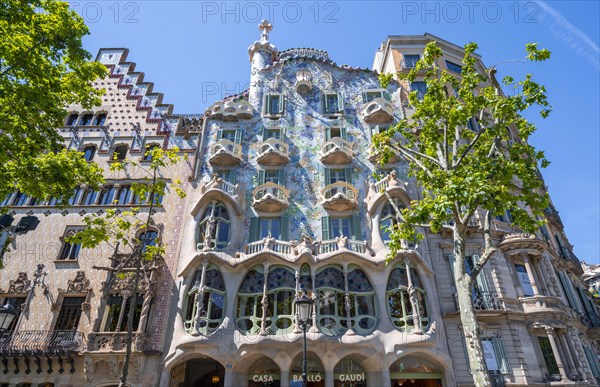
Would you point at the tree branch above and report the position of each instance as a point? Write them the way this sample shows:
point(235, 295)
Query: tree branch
point(489, 249)
point(414, 160)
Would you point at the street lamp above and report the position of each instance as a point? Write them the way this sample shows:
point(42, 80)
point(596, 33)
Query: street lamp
point(7, 315)
point(304, 308)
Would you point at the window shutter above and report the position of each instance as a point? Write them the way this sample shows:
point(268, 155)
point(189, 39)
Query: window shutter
point(344, 133)
point(284, 223)
point(327, 176)
point(364, 97)
point(325, 228)
point(281, 177)
point(355, 226)
point(253, 229)
point(262, 133)
point(219, 134)
point(501, 356)
point(238, 136)
point(565, 282)
point(583, 300)
point(327, 133)
point(267, 104)
point(231, 176)
point(340, 102)
point(261, 177)
point(348, 173)
point(592, 360)
point(282, 102)
point(451, 263)
point(464, 346)
point(325, 103)
point(482, 281)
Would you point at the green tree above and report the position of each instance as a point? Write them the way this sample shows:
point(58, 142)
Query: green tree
point(466, 144)
point(137, 253)
point(43, 69)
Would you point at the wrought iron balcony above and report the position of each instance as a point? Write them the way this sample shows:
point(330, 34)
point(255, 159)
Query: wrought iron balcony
point(270, 197)
point(377, 111)
point(273, 152)
point(225, 153)
point(115, 341)
point(375, 157)
point(483, 300)
point(41, 342)
point(339, 196)
point(336, 151)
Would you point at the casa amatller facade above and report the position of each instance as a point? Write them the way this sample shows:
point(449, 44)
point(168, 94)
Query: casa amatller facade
point(280, 196)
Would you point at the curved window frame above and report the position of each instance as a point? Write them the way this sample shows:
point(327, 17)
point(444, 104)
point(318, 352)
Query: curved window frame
point(405, 322)
point(387, 219)
point(207, 320)
point(213, 221)
point(89, 197)
point(120, 152)
point(280, 306)
point(147, 156)
point(252, 305)
point(89, 151)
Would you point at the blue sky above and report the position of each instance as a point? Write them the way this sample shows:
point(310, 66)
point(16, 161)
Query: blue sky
point(196, 52)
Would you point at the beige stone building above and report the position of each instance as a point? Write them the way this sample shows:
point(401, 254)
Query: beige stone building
point(280, 197)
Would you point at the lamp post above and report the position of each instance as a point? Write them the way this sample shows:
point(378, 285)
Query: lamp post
point(7, 315)
point(304, 309)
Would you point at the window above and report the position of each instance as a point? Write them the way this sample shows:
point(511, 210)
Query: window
point(484, 298)
point(268, 227)
point(86, 119)
point(140, 199)
point(420, 88)
point(335, 132)
point(271, 133)
point(453, 67)
point(333, 315)
point(593, 361)
point(17, 303)
point(333, 103)
point(249, 307)
point(21, 199)
point(72, 120)
point(274, 104)
point(410, 60)
point(400, 301)
point(148, 153)
point(333, 227)
point(548, 355)
point(120, 152)
point(74, 199)
point(335, 175)
point(89, 197)
point(233, 135)
point(123, 195)
point(524, 280)
point(100, 119)
point(368, 96)
point(206, 302)
point(473, 125)
point(148, 238)
point(117, 321)
point(495, 356)
point(106, 195)
point(562, 250)
point(89, 152)
point(215, 227)
point(70, 250)
point(228, 175)
point(275, 176)
point(388, 219)
point(544, 231)
point(70, 312)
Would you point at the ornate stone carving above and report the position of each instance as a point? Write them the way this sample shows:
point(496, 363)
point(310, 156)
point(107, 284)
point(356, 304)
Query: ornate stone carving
point(20, 285)
point(88, 368)
point(113, 366)
point(79, 284)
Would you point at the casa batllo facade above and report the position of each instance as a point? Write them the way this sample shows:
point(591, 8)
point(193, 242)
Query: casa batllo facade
point(280, 197)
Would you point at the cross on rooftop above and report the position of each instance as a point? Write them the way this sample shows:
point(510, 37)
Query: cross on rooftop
point(265, 27)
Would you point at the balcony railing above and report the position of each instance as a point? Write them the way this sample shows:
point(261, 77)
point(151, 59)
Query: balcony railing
point(336, 151)
point(273, 152)
point(377, 111)
point(219, 183)
point(483, 300)
point(41, 342)
point(270, 197)
point(339, 196)
point(115, 341)
point(225, 153)
point(337, 244)
point(272, 244)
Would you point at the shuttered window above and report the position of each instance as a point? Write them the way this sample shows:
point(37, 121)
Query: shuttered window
point(70, 313)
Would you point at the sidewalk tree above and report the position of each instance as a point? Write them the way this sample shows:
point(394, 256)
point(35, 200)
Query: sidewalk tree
point(467, 146)
point(43, 69)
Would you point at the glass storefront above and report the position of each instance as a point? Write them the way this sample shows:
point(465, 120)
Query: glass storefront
point(349, 373)
point(315, 371)
point(413, 371)
point(264, 373)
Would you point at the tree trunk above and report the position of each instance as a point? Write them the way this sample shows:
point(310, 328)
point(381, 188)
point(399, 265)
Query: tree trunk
point(464, 288)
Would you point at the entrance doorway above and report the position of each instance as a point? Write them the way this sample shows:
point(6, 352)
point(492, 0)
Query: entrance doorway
point(200, 372)
point(412, 371)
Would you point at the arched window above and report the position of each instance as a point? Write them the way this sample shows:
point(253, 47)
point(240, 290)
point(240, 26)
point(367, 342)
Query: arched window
point(100, 119)
point(339, 310)
point(115, 320)
point(206, 301)
point(120, 152)
point(281, 287)
point(20, 199)
point(148, 238)
point(215, 227)
point(148, 152)
point(72, 120)
point(86, 119)
point(388, 219)
point(75, 197)
point(249, 308)
point(89, 152)
point(123, 195)
point(89, 197)
point(106, 195)
point(407, 309)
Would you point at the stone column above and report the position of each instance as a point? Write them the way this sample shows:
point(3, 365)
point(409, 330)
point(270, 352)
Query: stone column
point(285, 378)
point(531, 275)
point(412, 293)
point(385, 379)
point(551, 337)
point(200, 299)
point(569, 347)
point(329, 378)
point(264, 304)
point(229, 376)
